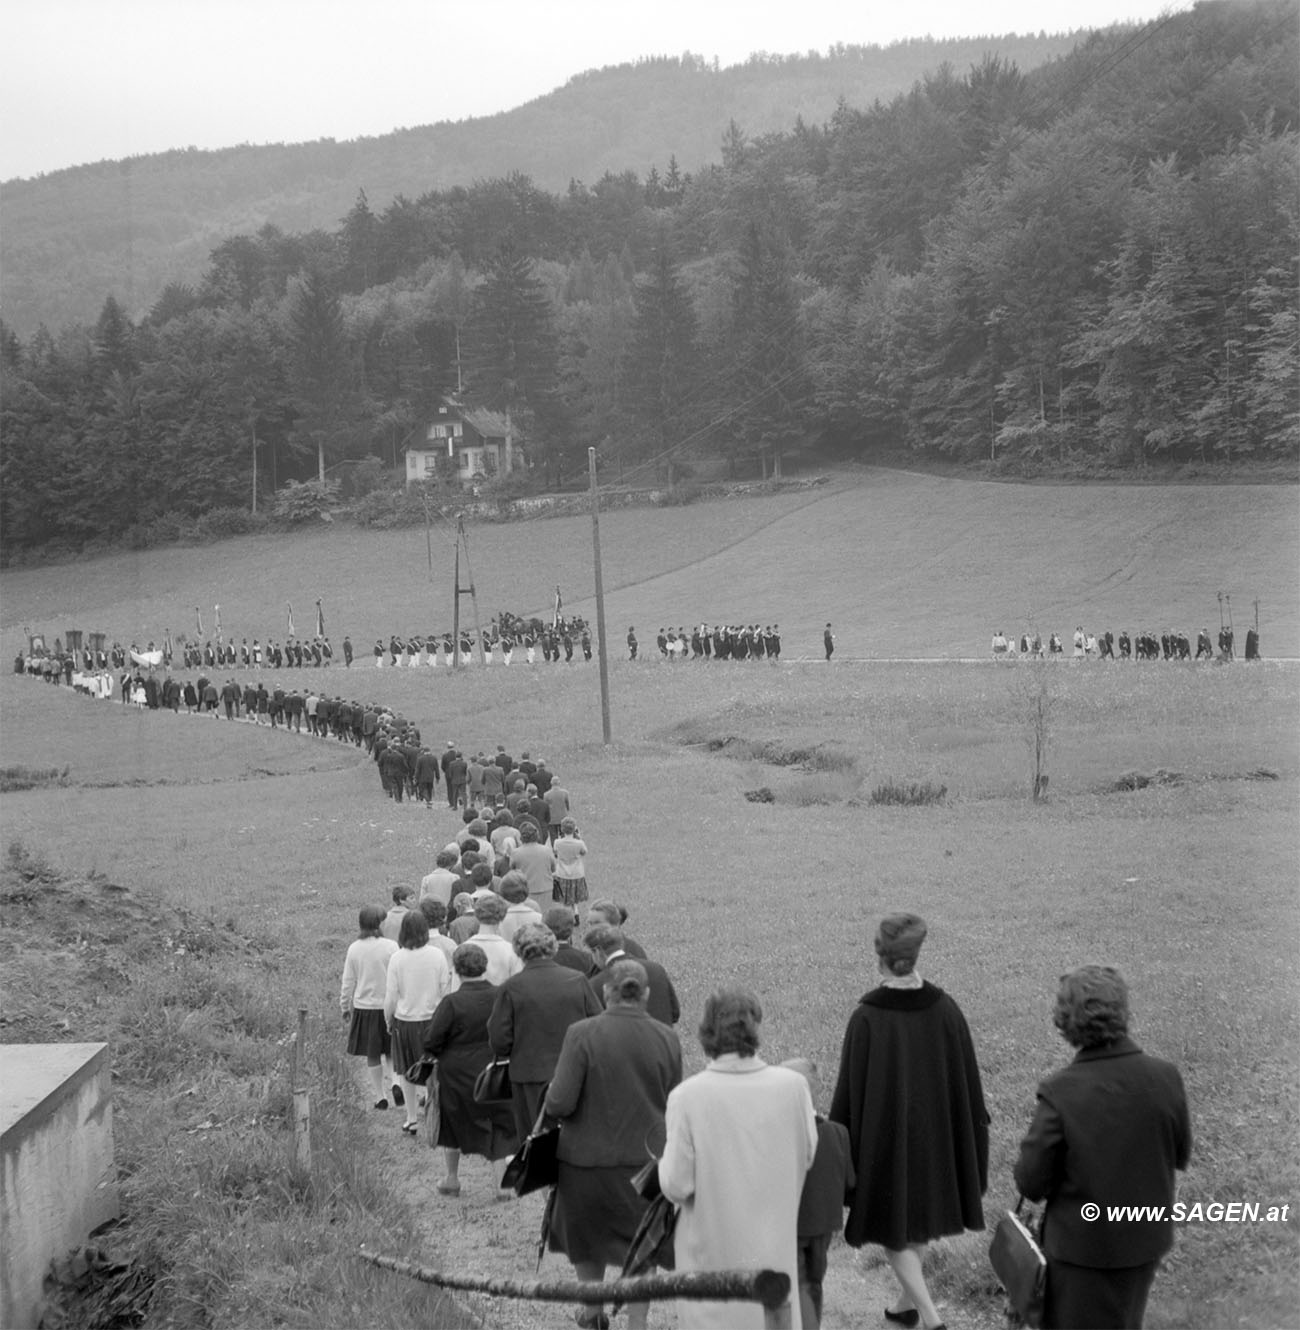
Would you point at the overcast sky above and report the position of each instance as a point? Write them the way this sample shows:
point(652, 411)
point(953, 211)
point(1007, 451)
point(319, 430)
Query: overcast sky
point(85, 80)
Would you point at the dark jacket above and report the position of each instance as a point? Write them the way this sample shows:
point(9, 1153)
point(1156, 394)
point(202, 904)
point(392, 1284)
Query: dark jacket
point(662, 1004)
point(533, 1010)
point(1111, 1129)
point(828, 1188)
point(611, 1086)
point(909, 1093)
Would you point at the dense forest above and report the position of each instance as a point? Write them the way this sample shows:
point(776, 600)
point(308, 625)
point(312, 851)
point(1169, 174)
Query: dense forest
point(1091, 264)
point(129, 227)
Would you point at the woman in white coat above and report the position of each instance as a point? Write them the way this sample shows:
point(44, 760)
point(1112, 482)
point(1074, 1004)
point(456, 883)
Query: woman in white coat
point(741, 1138)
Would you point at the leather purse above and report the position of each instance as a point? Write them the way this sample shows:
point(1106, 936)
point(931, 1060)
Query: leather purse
point(536, 1163)
point(420, 1073)
point(492, 1084)
point(1018, 1261)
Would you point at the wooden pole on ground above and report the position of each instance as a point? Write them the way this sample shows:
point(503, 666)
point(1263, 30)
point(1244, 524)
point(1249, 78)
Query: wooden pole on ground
point(771, 1288)
point(600, 600)
point(301, 1099)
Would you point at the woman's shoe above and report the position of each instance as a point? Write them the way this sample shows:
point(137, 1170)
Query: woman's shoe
point(411, 1128)
point(909, 1318)
point(398, 1097)
point(591, 1320)
point(446, 1188)
point(381, 1103)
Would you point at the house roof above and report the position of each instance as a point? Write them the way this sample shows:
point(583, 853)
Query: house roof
point(490, 424)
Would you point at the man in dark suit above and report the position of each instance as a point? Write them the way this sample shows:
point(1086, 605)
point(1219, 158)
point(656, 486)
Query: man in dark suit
point(1110, 1130)
point(605, 942)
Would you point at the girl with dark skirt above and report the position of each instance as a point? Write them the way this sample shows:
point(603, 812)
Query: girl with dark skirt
point(609, 1093)
point(361, 997)
point(418, 979)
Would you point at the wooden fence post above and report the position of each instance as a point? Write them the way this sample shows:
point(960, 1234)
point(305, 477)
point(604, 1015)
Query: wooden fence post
point(301, 1099)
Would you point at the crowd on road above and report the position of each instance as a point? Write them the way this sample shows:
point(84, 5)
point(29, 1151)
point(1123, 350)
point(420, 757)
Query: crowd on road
point(1144, 645)
point(478, 978)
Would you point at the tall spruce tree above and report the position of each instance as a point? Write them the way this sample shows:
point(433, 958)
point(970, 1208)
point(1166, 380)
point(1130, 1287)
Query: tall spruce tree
point(512, 351)
point(320, 368)
point(664, 359)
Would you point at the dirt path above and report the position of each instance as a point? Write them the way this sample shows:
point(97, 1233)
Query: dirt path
point(476, 1234)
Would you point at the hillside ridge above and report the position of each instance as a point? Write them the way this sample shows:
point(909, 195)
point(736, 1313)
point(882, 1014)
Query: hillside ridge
point(130, 226)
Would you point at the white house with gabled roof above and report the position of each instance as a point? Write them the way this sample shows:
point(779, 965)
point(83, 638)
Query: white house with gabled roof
point(471, 443)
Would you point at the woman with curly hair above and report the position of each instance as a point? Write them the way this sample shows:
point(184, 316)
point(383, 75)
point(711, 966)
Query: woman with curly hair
point(741, 1139)
point(1110, 1129)
point(533, 1010)
point(457, 1036)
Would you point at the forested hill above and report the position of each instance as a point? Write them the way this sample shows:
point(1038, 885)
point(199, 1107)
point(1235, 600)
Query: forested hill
point(72, 237)
point(1085, 269)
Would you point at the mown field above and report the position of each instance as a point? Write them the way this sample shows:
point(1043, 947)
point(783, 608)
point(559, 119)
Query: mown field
point(904, 565)
point(1188, 885)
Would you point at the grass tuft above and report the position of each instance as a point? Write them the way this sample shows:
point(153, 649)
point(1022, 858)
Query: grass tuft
point(910, 793)
point(13, 779)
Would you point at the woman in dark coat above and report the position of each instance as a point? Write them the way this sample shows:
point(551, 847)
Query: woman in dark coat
point(458, 1038)
point(533, 1011)
point(609, 1093)
point(909, 1093)
point(1110, 1129)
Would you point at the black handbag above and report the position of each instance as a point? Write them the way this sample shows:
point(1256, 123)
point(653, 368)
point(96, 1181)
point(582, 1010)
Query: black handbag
point(492, 1084)
point(420, 1072)
point(536, 1163)
point(1019, 1263)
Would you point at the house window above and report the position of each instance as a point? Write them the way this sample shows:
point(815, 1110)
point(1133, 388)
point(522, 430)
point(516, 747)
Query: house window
point(464, 459)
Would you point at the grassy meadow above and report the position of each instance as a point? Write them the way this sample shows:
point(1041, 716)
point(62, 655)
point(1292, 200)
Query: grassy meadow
point(1189, 884)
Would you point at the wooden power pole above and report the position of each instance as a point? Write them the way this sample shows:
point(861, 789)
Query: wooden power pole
point(463, 539)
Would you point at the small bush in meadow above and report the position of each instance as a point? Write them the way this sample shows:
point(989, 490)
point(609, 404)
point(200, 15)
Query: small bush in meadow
point(908, 792)
point(221, 523)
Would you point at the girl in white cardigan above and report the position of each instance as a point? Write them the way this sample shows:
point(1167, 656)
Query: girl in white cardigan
point(361, 997)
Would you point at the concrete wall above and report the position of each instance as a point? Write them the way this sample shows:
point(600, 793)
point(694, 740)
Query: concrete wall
point(56, 1137)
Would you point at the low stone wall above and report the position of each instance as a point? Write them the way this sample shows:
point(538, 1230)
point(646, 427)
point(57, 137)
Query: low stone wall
point(560, 505)
point(56, 1116)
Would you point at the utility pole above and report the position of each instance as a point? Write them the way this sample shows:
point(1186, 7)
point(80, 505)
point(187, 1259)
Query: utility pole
point(463, 539)
point(600, 600)
point(455, 611)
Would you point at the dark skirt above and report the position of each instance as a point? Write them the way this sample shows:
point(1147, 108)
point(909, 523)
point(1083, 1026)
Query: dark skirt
point(408, 1043)
point(368, 1034)
point(596, 1213)
point(568, 890)
point(1078, 1295)
point(470, 1127)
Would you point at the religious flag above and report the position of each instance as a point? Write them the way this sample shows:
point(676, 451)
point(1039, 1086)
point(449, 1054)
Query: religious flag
point(198, 619)
point(556, 617)
point(218, 617)
point(290, 620)
point(168, 649)
point(320, 619)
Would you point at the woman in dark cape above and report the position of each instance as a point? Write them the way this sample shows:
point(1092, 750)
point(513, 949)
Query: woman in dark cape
point(909, 1093)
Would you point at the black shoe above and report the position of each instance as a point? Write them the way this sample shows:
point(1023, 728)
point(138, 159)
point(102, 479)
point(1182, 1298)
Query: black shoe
point(910, 1317)
point(398, 1097)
